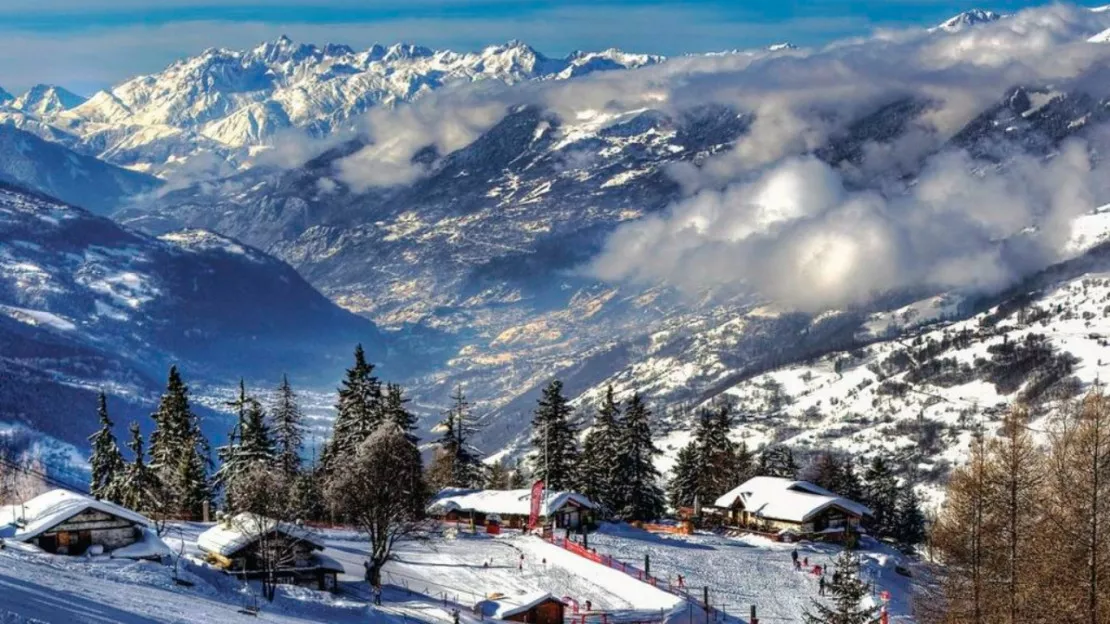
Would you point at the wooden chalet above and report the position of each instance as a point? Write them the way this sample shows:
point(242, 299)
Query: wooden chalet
point(535, 608)
point(67, 523)
point(777, 505)
point(512, 508)
point(244, 544)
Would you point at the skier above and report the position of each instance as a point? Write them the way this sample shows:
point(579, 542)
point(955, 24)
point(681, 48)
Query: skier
point(681, 581)
point(455, 616)
point(378, 595)
point(821, 586)
point(794, 555)
point(805, 562)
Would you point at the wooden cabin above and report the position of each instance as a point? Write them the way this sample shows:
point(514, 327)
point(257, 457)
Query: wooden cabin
point(786, 506)
point(536, 608)
point(245, 544)
point(512, 508)
point(67, 523)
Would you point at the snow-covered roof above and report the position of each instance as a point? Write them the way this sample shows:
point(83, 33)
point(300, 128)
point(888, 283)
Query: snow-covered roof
point(777, 498)
point(502, 608)
point(507, 502)
point(46, 511)
point(232, 534)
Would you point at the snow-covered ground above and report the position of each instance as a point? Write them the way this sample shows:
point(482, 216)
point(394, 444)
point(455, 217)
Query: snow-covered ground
point(431, 578)
point(750, 570)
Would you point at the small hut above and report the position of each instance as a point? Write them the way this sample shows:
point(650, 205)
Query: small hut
point(535, 608)
point(250, 546)
point(67, 523)
point(512, 508)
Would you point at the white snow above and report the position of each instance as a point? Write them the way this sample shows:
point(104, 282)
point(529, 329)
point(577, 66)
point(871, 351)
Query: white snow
point(38, 318)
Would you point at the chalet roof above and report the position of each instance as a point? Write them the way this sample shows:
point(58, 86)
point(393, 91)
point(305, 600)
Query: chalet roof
point(776, 498)
point(502, 608)
point(46, 511)
point(503, 502)
point(231, 535)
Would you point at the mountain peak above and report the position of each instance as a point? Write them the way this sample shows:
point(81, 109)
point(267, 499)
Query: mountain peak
point(44, 99)
point(5, 97)
point(968, 19)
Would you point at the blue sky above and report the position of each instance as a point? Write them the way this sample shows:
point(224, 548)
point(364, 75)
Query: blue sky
point(89, 44)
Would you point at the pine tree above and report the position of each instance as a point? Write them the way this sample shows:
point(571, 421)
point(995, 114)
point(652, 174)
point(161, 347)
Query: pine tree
point(358, 411)
point(257, 444)
point(881, 496)
point(518, 476)
point(397, 413)
point(778, 461)
point(139, 488)
point(640, 496)
point(497, 476)
point(457, 464)
point(288, 428)
point(597, 478)
point(685, 477)
point(307, 495)
point(106, 462)
point(179, 452)
point(910, 521)
point(848, 592)
point(717, 453)
point(231, 463)
point(554, 440)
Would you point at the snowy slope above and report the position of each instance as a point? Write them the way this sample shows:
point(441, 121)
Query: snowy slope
point(86, 304)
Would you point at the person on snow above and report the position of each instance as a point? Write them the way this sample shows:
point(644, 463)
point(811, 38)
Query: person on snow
point(821, 586)
point(794, 555)
point(455, 616)
point(681, 581)
point(378, 595)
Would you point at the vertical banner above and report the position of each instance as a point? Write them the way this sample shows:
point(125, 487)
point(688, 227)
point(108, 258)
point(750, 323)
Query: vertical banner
point(537, 502)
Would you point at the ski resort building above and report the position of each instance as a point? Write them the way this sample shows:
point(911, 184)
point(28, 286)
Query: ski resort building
point(535, 608)
point(67, 523)
point(247, 545)
point(512, 508)
point(780, 505)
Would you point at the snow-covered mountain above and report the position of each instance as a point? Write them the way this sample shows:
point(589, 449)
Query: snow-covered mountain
point(50, 168)
point(46, 100)
point(968, 19)
point(86, 304)
point(232, 103)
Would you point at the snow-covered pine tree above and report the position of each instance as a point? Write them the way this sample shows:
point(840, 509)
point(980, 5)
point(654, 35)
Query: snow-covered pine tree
point(685, 477)
point(179, 452)
point(229, 454)
point(397, 412)
point(909, 527)
point(288, 428)
point(554, 440)
point(637, 480)
point(359, 410)
point(745, 466)
point(139, 488)
point(848, 593)
point(778, 461)
point(597, 474)
point(106, 462)
point(880, 494)
point(457, 463)
point(307, 495)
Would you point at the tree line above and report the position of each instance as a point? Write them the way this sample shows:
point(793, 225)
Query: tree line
point(1024, 535)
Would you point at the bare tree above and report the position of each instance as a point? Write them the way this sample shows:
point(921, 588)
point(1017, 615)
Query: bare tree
point(381, 491)
point(264, 510)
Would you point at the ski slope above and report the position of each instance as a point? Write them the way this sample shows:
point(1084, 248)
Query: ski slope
point(750, 570)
